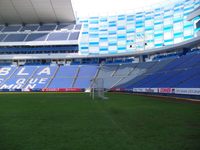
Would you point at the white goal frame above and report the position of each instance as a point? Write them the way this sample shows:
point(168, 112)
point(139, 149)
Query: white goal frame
point(97, 89)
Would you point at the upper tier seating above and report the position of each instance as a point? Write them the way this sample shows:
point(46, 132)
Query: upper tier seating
point(2, 37)
point(12, 28)
point(31, 27)
point(48, 27)
point(15, 37)
point(38, 33)
point(37, 37)
point(58, 36)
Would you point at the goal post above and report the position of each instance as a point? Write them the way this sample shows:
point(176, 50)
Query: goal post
point(97, 88)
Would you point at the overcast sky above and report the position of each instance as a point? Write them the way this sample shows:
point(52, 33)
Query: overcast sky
point(92, 7)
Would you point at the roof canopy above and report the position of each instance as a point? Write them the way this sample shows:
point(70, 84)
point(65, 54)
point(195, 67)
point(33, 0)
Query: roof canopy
point(36, 11)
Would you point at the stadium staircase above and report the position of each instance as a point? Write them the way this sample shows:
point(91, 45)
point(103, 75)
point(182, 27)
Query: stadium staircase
point(51, 78)
point(76, 76)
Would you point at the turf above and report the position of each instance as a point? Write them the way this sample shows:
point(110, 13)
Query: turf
point(75, 122)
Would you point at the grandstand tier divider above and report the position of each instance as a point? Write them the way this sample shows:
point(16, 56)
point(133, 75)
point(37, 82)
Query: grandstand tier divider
point(51, 78)
point(76, 76)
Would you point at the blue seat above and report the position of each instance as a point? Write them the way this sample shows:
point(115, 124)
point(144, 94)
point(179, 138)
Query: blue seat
point(15, 38)
point(37, 37)
point(58, 36)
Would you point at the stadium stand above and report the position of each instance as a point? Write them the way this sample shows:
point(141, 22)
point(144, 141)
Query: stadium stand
point(172, 72)
point(156, 48)
point(36, 32)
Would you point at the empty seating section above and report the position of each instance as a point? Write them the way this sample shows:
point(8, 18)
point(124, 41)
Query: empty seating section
point(45, 71)
point(19, 78)
point(195, 59)
point(69, 27)
point(183, 72)
point(178, 63)
point(48, 27)
point(67, 71)
point(41, 78)
point(74, 36)
point(36, 32)
point(37, 37)
point(193, 82)
point(78, 27)
point(6, 72)
point(61, 83)
point(1, 27)
point(2, 37)
point(123, 70)
point(85, 74)
point(58, 36)
point(12, 28)
point(87, 71)
point(15, 37)
point(62, 27)
point(24, 71)
point(33, 27)
point(106, 72)
point(64, 77)
point(27, 77)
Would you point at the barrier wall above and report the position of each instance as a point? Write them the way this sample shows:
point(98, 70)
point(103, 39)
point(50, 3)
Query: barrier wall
point(184, 91)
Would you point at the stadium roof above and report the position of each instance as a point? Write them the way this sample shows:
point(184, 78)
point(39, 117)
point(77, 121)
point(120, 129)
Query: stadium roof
point(85, 8)
point(36, 11)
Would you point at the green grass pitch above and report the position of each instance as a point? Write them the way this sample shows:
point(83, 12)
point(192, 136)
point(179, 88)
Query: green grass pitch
point(63, 121)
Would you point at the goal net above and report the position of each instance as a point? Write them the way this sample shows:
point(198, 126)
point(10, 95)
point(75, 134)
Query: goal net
point(97, 88)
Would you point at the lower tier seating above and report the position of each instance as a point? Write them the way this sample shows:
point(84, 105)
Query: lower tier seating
point(182, 72)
